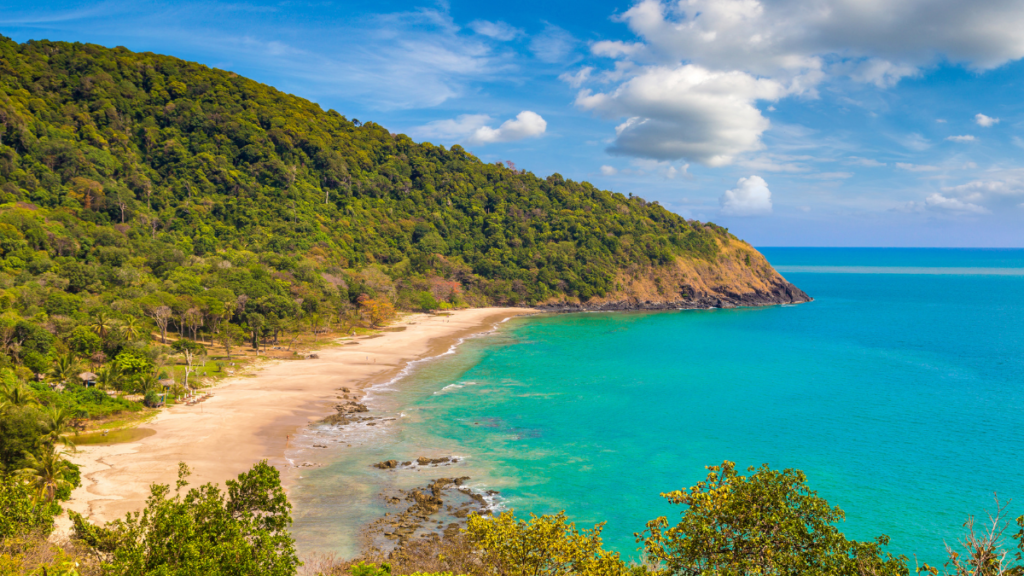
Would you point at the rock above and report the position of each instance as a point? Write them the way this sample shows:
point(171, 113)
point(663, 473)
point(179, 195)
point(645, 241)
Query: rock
point(386, 465)
point(319, 446)
point(313, 356)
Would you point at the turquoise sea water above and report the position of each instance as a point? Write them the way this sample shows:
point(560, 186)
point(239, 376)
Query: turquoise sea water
point(899, 392)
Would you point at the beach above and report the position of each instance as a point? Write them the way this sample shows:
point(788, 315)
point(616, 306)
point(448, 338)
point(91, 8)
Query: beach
point(250, 417)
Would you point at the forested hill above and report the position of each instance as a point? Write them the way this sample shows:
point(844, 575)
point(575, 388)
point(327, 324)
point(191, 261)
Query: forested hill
point(129, 174)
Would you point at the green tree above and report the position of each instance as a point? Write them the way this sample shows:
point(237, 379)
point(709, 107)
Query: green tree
point(769, 523)
point(202, 531)
point(65, 368)
point(46, 472)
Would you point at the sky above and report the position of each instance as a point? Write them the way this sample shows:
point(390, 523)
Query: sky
point(791, 122)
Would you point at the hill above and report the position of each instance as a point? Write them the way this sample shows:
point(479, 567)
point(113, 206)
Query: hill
point(128, 175)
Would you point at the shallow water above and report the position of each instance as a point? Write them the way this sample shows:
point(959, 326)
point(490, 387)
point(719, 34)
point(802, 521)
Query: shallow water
point(898, 392)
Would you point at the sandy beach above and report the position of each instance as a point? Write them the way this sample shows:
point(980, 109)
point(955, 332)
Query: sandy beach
point(250, 417)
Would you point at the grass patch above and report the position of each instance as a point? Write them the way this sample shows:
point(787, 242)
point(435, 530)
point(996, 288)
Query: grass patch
point(114, 437)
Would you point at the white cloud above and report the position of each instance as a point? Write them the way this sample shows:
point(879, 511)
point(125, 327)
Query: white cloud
point(608, 170)
point(939, 202)
point(686, 112)
point(963, 138)
point(790, 45)
point(985, 121)
point(526, 124)
point(576, 80)
point(940, 120)
point(553, 45)
point(915, 142)
point(870, 162)
point(751, 197)
point(474, 129)
point(787, 35)
point(497, 30)
point(916, 167)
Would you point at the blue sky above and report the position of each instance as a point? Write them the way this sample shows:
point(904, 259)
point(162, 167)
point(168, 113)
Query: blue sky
point(792, 122)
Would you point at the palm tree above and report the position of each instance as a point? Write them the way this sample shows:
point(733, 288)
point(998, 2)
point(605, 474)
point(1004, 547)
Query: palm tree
point(16, 393)
point(101, 324)
point(131, 329)
point(110, 376)
point(64, 368)
point(56, 423)
point(46, 472)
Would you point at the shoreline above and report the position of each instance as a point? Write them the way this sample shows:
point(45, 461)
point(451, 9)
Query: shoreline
point(251, 416)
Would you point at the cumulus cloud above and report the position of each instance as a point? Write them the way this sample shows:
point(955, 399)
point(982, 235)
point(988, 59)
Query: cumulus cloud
point(789, 45)
point(751, 197)
point(1000, 191)
point(985, 121)
point(687, 112)
point(765, 37)
point(962, 138)
point(608, 170)
point(526, 124)
point(474, 129)
point(497, 30)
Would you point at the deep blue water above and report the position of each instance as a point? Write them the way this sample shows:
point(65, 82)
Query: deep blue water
point(899, 392)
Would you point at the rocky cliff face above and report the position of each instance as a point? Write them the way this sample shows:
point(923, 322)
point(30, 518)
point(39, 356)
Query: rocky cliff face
point(738, 276)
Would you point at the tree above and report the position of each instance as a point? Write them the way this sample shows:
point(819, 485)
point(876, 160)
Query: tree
point(378, 311)
point(64, 368)
point(57, 423)
point(231, 335)
point(548, 544)
point(131, 329)
point(19, 512)
point(189, 350)
point(15, 393)
point(110, 377)
point(193, 319)
point(161, 315)
point(770, 523)
point(47, 473)
point(256, 321)
point(101, 324)
point(202, 531)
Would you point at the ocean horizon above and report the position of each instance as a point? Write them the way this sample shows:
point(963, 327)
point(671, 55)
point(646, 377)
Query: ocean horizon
point(897, 391)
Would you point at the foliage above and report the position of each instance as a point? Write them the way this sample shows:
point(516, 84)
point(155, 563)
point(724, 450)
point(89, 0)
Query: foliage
point(202, 532)
point(548, 544)
point(767, 523)
point(20, 511)
point(117, 185)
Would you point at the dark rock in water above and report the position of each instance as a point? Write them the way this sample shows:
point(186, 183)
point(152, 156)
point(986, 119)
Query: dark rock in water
point(386, 465)
point(407, 463)
point(319, 446)
point(443, 461)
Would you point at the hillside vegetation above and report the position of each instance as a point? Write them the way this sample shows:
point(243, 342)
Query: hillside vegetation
point(152, 170)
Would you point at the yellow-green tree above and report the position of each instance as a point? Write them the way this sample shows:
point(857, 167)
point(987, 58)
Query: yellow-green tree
point(548, 544)
point(769, 523)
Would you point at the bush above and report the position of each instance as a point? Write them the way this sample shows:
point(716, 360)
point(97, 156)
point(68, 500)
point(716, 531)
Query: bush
point(151, 400)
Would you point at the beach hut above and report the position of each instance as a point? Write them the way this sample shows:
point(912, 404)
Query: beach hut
point(88, 379)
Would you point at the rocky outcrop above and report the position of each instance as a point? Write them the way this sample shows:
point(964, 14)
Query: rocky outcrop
point(737, 276)
point(689, 299)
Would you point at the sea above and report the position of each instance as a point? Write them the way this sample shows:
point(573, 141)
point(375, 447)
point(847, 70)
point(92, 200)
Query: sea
point(899, 392)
